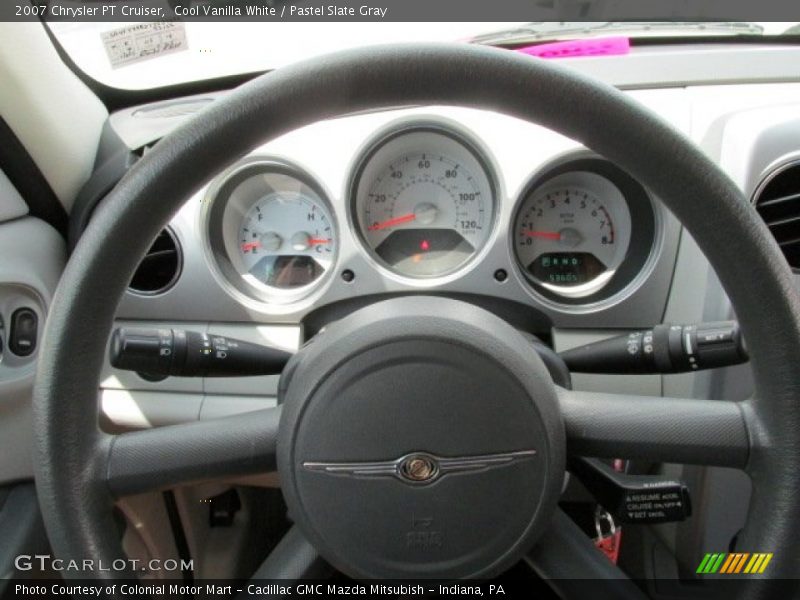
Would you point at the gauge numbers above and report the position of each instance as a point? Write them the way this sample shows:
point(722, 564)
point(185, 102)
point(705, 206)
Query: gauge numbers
point(286, 240)
point(270, 232)
point(424, 213)
point(572, 234)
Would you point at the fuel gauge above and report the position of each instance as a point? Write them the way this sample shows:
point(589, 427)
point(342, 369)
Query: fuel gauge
point(286, 240)
point(271, 231)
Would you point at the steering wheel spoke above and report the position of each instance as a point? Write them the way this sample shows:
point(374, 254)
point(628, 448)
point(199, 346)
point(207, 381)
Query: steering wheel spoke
point(705, 432)
point(153, 459)
point(573, 567)
point(293, 558)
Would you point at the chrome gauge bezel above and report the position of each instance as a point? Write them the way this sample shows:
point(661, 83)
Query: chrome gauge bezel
point(218, 230)
point(453, 134)
point(646, 239)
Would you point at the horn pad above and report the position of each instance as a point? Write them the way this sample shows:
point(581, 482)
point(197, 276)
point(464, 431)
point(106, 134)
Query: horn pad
point(420, 438)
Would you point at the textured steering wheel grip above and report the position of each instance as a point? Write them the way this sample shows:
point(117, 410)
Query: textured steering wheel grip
point(76, 505)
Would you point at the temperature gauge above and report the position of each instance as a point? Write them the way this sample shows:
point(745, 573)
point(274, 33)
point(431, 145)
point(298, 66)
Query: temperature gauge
point(271, 231)
point(286, 240)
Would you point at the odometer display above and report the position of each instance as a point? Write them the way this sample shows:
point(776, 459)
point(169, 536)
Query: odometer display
point(566, 268)
point(424, 203)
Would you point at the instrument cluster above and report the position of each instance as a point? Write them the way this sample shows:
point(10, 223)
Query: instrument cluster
point(422, 204)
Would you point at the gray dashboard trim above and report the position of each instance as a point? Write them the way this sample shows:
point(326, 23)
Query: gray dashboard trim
point(33, 256)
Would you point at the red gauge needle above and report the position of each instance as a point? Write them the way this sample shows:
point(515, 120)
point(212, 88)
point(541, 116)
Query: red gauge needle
point(318, 241)
point(392, 222)
point(548, 235)
point(250, 245)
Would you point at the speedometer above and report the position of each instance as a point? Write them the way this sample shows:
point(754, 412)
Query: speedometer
point(423, 202)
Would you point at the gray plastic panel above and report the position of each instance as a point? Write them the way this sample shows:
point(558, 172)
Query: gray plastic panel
point(222, 406)
point(138, 409)
point(12, 206)
point(33, 256)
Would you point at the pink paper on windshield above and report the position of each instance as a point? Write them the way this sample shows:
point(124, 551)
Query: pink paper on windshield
point(606, 46)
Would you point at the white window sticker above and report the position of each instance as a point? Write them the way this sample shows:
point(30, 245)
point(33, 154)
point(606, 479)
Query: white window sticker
point(143, 41)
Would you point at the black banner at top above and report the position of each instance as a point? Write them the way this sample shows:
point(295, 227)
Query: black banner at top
point(396, 10)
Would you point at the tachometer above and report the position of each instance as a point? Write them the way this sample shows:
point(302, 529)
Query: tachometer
point(271, 231)
point(572, 233)
point(423, 202)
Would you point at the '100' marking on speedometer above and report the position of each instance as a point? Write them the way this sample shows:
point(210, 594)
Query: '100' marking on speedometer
point(423, 212)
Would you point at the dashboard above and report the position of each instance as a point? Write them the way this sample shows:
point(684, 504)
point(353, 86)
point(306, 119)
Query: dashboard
point(432, 200)
point(436, 200)
point(421, 204)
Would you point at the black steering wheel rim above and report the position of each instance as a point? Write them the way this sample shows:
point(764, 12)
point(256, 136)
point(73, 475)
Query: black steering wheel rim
point(70, 462)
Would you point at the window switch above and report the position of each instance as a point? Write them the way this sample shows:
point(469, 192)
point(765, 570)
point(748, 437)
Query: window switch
point(24, 329)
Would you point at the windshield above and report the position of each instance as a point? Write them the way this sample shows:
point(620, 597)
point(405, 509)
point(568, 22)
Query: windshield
point(131, 56)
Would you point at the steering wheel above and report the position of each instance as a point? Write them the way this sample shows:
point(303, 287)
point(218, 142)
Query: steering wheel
point(421, 437)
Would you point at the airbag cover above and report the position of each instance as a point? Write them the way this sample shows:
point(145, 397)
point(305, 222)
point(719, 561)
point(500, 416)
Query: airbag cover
point(421, 437)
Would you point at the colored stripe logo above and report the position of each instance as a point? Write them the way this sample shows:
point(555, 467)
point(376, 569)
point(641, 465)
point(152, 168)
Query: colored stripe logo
point(734, 563)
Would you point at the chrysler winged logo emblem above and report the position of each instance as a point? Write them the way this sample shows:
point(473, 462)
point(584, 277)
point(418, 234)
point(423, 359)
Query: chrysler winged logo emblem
point(420, 467)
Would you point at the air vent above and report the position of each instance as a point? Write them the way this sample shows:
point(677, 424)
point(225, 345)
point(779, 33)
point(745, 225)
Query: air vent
point(160, 268)
point(778, 203)
point(170, 110)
